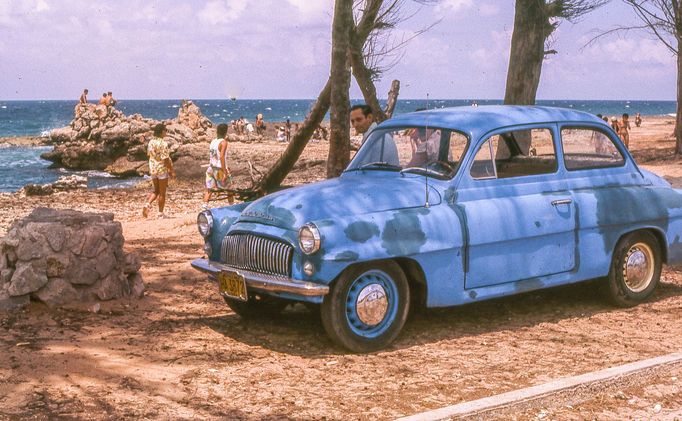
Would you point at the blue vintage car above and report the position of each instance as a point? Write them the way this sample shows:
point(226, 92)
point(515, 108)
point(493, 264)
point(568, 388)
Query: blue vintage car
point(448, 207)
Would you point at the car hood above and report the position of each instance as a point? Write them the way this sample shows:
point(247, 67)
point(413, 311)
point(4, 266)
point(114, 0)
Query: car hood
point(339, 197)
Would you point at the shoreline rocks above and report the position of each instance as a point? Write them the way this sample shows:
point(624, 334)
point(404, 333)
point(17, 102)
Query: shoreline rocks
point(63, 256)
point(63, 183)
point(103, 138)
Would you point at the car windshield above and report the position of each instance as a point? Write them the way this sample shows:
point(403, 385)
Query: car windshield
point(431, 151)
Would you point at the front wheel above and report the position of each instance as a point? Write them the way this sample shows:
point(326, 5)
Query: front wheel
point(367, 306)
point(635, 269)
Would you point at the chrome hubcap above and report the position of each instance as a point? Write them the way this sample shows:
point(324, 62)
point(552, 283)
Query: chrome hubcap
point(372, 304)
point(638, 270)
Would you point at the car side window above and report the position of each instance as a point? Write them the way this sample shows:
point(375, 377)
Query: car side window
point(515, 153)
point(586, 148)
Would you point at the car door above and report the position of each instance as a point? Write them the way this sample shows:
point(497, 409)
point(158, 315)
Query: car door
point(520, 218)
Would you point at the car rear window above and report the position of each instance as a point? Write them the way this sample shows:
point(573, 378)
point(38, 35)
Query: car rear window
point(587, 148)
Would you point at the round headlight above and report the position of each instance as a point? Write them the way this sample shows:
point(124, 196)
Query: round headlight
point(205, 223)
point(309, 238)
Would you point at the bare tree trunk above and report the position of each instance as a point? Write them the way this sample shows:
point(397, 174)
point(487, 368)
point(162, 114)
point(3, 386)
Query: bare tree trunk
point(678, 119)
point(339, 139)
point(392, 98)
point(286, 161)
point(363, 76)
point(531, 29)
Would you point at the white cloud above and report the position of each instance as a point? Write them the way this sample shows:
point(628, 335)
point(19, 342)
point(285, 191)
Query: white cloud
point(446, 6)
point(313, 8)
point(42, 6)
point(221, 11)
point(625, 51)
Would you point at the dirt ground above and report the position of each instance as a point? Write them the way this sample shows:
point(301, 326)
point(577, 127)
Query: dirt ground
point(180, 353)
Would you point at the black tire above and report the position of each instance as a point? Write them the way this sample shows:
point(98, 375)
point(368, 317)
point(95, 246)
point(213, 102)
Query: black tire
point(639, 255)
point(380, 320)
point(257, 306)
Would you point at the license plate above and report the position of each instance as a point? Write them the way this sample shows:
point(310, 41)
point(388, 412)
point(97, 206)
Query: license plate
point(233, 285)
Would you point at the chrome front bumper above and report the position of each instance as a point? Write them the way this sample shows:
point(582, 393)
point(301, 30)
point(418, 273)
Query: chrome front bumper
point(263, 282)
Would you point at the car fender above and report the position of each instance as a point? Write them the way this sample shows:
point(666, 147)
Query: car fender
point(432, 235)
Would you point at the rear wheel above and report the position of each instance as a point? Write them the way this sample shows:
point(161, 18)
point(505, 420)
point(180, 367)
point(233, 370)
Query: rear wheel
point(635, 269)
point(257, 306)
point(367, 306)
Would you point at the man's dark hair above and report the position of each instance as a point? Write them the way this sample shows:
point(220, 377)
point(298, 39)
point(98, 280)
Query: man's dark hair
point(104, 94)
point(221, 130)
point(85, 90)
point(626, 115)
point(366, 109)
point(158, 129)
point(109, 93)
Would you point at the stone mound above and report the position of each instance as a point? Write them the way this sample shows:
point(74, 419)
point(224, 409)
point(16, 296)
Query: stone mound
point(63, 256)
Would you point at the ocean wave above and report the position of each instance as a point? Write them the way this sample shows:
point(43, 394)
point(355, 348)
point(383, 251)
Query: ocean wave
point(95, 174)
point(119, 184)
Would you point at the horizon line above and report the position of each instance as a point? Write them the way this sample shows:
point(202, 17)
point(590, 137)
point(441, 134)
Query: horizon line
point(351, 99)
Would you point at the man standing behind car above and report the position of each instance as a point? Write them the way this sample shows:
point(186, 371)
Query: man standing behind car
point(363, 122)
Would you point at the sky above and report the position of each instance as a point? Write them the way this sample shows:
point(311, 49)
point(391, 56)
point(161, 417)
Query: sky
point(280, 49)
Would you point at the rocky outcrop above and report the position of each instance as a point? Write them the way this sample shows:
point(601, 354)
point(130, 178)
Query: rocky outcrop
point(63, 183)
point(103, 138)
point(63, 256)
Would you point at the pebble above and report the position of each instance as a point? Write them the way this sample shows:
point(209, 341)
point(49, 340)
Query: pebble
point(657, 408)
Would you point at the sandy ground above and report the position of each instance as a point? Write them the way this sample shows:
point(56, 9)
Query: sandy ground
point(180, 353)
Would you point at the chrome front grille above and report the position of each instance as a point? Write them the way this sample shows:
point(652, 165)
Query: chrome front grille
point(258, 254)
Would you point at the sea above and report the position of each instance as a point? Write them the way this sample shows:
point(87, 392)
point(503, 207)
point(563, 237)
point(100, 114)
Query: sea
point(22, 165)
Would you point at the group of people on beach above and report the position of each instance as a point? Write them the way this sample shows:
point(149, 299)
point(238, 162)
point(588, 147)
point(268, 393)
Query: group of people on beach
point(218, 176)
point(106, 99)
point(622, 127)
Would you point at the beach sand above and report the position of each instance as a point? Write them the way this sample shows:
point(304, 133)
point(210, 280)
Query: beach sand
point(180, 352)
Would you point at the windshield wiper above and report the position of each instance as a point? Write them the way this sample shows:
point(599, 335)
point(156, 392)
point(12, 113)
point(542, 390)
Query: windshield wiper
point(422, 170)
point(379, 164)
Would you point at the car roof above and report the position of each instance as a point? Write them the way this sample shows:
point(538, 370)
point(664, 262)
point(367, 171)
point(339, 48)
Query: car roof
point(482, 119)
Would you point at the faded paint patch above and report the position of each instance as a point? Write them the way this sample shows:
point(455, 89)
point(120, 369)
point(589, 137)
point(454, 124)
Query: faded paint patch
point(347, 256)
point(361, 231)
point(528, 285)
point(282, 215)
point(403, 234)
point(450, 195)
point(617, 207)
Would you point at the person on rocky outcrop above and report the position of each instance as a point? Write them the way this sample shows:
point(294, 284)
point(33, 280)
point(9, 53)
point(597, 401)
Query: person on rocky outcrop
point(217, 173)
point(84, 97)
point(160, 168)
point(104, 100)
point(111, 101)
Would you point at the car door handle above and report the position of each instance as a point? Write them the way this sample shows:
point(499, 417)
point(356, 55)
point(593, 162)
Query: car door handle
point(561, 202)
